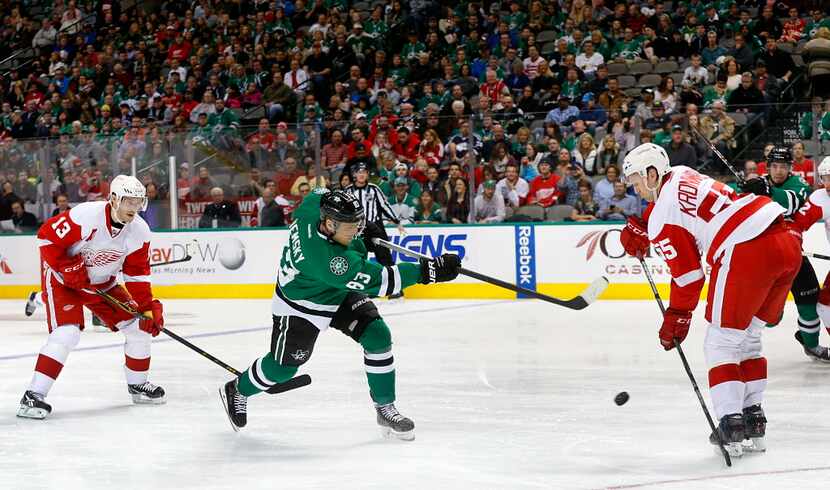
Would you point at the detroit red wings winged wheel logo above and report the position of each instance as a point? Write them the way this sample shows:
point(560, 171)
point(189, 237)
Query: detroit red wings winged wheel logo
point(100, 258)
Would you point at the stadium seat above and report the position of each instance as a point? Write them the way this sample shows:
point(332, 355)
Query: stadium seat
point(678, 78)
point(559, 212)
point(627, 81)
point(739, 118)
point(811, 148)
point(534, 212)
point(650, 80)
point(548, 49)
point(665, 67)
point(617, 69)
point(546, 37)
point(640, 67)
point(633, 92)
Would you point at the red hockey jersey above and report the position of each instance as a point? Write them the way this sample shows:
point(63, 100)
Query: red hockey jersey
point(697, 217)
point(107, 251)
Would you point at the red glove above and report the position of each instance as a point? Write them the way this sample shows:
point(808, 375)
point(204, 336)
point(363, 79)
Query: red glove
point(675, 325)
point(121, 294)
point(153, 323)
point(634, 237)
point(74, 273)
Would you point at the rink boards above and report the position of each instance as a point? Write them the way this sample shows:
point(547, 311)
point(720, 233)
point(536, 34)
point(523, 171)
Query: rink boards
point(557, 259)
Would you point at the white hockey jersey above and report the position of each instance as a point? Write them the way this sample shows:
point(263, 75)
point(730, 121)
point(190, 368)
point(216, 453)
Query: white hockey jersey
point(697, 217)
point(107, 251)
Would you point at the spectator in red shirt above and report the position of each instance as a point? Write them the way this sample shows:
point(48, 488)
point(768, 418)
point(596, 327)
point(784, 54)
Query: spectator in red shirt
point(334, 154)
point(358, 141)
point(543, 188)
point(286, 176)
point(179, 49)
point(493, 88)
point(408, 145)
point(263, 139)
point(802, 165)
point(431, 149)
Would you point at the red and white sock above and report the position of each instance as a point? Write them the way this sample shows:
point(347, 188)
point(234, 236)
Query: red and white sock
point(136, 353)
point(53, 356)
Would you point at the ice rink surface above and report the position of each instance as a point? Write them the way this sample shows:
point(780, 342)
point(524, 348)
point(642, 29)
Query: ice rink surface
point(504, 394)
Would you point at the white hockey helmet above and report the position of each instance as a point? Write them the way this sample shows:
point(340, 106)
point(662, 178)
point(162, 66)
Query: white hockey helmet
point(128, 186)
point(824, 167)
point(646, 156)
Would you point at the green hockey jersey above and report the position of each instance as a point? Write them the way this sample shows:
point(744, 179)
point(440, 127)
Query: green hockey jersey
point(790, 194)
point(315, 274)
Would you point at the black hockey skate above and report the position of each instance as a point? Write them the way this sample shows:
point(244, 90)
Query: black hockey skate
point(732, 431)
point(31, 305)
point(32, 406)
point(146, 393)
point(755, 428)
point(393, 424)
point(818, 353)
point(235, 405)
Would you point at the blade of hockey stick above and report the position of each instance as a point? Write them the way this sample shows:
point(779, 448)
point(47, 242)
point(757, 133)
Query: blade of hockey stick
point(293, 383)
point(579, 302)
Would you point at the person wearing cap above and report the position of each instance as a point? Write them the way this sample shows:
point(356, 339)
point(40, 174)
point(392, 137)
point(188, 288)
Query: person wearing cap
point(658, 117)
point(402, 201)
point(401, 170)
point(592, 114)
point(489, 205)
point(359, 40)
point(564, 114)
point(680, 152)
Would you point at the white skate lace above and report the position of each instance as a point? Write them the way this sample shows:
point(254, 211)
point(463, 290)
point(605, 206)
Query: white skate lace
point(146, 387)
point(389, 412)
point(240, 403)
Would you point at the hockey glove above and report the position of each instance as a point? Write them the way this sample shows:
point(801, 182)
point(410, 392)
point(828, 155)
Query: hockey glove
point(634, 237)
point(675, 326)
point(758, 186)
point(74, 273)
point(440, 269)
point(153, 322)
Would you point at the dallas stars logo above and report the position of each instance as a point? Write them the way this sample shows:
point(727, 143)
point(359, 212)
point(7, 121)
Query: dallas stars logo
point(338, 266)
point(300, 355)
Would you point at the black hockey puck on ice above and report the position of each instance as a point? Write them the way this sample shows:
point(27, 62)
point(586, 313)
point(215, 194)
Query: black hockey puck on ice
point(621, 398)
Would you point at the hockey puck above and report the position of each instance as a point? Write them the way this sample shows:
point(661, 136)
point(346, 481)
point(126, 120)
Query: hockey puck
point(621, 398)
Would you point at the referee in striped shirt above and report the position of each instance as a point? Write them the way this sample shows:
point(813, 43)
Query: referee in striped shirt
point(377, 208)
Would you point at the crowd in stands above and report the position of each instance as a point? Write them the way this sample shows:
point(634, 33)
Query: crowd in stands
point(533, 102)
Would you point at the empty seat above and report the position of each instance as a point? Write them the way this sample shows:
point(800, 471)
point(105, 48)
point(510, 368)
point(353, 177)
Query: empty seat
point(617, 69)
point(738, 117)
point(559, 212)
point(548, 48)
point(650, 80)
point(534, 212)
point(640, 67)
point(626, 81)
point(811, 148)
point(633, 92)
point(664, 67)
point(545, 37)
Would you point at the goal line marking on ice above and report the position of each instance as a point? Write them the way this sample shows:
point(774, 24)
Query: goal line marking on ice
point(221, 333)
point(717, 477)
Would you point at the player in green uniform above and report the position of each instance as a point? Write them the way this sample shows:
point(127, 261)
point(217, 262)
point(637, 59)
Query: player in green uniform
point(325, 280)
point(791, 191)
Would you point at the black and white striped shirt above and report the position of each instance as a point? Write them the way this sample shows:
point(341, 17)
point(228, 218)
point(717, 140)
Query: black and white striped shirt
point(375, 205)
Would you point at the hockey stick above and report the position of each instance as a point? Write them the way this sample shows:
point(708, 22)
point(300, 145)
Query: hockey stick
point(293, 383)
point(815, 255)
point(686, 366)
point(585, 298)
point(169, 262)
point(722, 158)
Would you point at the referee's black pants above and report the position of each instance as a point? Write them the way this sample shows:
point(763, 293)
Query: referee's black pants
point(382, 254)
